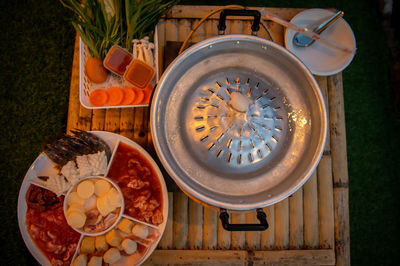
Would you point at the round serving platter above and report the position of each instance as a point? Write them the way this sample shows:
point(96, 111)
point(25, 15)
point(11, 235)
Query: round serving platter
point(43, 166)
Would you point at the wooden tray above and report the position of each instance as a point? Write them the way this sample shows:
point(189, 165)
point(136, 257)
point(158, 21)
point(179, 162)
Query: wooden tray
point(310, 227)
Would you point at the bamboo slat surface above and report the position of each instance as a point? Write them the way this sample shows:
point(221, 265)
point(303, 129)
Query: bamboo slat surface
point(309, 228)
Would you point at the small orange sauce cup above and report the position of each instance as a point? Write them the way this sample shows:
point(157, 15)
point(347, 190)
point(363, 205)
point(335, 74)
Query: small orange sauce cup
point(139, 74)
point(117, 59)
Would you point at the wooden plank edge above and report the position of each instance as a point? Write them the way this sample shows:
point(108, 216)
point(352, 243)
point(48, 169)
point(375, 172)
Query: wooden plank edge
point(296, 220)
point(268, 236)
point(180, 220)
point(339, 169)
point(210, 228)
point(74, 104)
point(242, 257)
point(195, 225)
point(325, 203)
point(282, 224)
point(310, 201)
point(167, 240)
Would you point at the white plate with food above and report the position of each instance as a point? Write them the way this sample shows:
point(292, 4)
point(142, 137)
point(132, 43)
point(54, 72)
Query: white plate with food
point(320, 58)
point(92, 197)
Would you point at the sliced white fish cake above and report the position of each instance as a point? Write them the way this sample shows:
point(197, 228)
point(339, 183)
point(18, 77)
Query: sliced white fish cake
point(95, 261)
point(76, 207)
point(113, 238)
point(73, 197)
point(125, 225)
point(80, 260)
point(112, 255)
point(114, 198)
point(140, 231)
point(101, 243)
point(101, 187)
point(129, 246)
point(87, 245)
point(76, 219)
point(103, 206)
point(85, 189)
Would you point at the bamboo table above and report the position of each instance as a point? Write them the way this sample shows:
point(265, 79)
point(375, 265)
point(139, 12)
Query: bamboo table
point(309, 228)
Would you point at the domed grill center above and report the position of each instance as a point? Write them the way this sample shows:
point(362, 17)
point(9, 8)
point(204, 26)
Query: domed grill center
point(236, 120)
point(239, 102)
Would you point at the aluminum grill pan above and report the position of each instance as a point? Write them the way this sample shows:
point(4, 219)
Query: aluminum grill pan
point(238, 122)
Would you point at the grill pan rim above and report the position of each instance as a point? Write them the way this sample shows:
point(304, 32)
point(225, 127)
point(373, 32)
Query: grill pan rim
point(209, 200)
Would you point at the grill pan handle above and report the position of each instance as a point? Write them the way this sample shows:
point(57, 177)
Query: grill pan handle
point(239, 12)
point(261, 216)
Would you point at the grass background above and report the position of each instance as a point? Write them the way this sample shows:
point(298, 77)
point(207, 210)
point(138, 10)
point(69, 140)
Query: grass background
point(36, 49)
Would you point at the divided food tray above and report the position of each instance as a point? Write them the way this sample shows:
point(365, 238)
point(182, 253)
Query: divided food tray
point(43, 166)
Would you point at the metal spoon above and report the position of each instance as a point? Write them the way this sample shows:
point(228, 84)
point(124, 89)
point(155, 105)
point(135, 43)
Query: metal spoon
point(302, 40)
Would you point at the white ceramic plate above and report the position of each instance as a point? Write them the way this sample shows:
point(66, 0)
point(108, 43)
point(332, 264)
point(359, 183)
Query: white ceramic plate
point(320, 58)
point(44, 166)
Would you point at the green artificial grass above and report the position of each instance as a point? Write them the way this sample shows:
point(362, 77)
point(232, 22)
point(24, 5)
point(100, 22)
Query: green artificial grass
point(36, 59)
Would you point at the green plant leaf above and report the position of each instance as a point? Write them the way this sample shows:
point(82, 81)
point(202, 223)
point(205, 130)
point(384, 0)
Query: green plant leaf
point(132, 19)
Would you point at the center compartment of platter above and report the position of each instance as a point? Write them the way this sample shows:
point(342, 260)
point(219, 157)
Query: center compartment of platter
point(93, 206)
